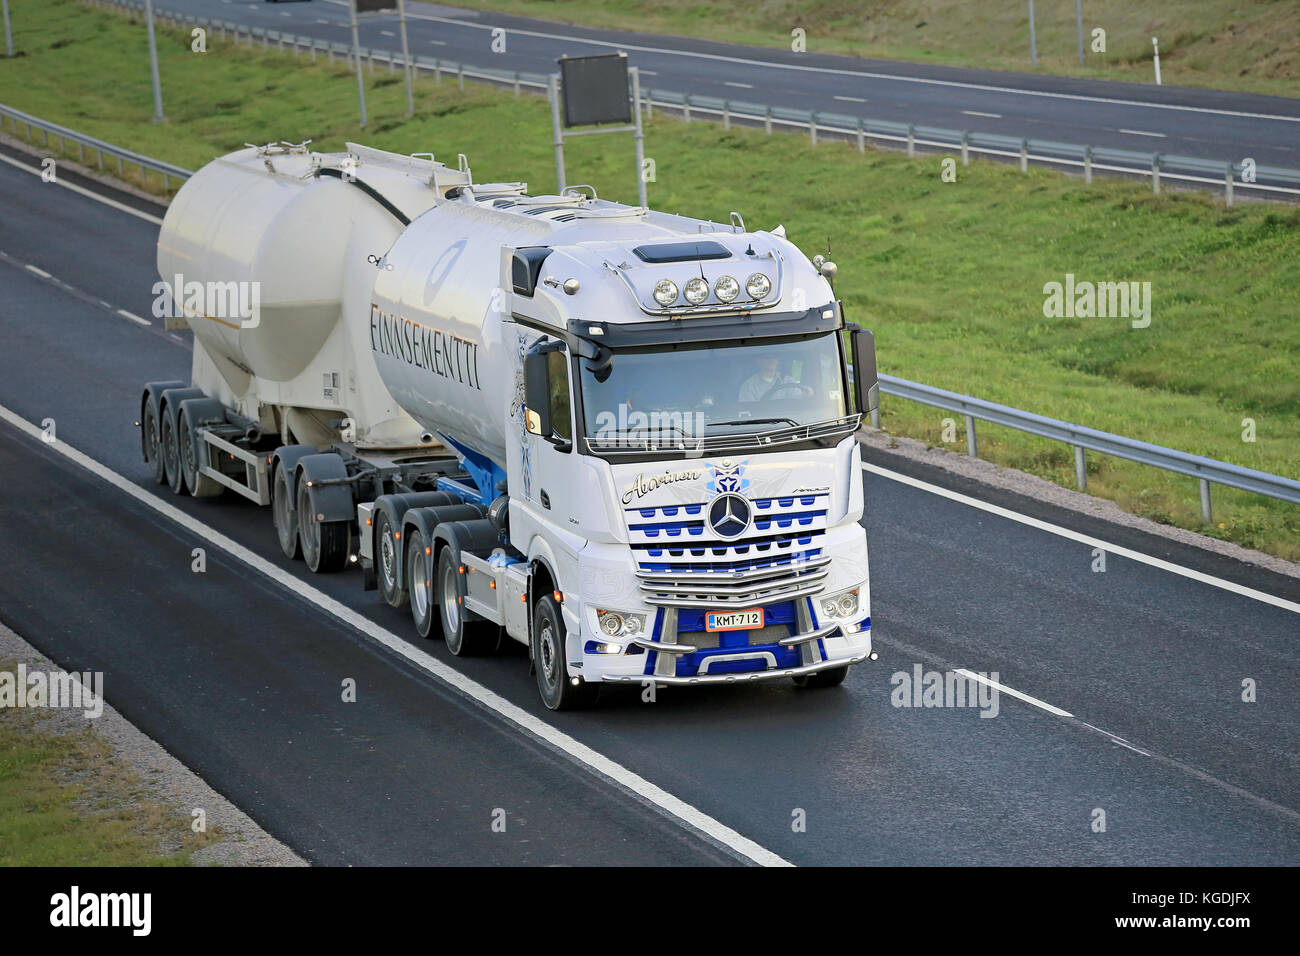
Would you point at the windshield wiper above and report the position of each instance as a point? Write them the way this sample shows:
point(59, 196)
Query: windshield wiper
point(757, 421)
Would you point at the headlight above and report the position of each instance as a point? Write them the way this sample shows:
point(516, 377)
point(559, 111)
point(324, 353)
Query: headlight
point(758, 285)
point(842, 605)
point(665, 292)
point(726, 289)
point(619, 624)
point(696, 291)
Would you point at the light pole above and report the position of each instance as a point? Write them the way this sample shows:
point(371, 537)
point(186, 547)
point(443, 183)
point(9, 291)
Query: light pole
point(1078, 19)
point(153, 65)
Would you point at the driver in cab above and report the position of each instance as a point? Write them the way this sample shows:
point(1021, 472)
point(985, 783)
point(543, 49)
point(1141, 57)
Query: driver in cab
point(769, 383)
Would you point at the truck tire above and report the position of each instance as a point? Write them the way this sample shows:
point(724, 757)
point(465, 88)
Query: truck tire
point(464, 637)
point(284, 515)
point(171, 455)
point(325, 544)
point(151, 438)
point(419, 584)
point(831, 677)
point(387, 567)
point(550, 664)
point(199, 485)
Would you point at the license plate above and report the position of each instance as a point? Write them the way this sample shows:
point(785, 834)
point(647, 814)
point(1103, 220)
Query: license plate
point(734, 620)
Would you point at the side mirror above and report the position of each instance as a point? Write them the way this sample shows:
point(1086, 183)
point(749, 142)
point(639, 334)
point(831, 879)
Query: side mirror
point(537, 395)
point(866, 384)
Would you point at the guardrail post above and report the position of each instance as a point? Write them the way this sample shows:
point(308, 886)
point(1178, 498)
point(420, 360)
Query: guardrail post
point(649, 104)
point(862, 137)
point(331, 52)
point(726, 114)
point(312, 48)
point(119, 167)
point(370, 55)
point(686, 108)
point(1087, 165)
point(965, 148)
point(437, 70)
point(972, 447)
point(392, 67)
point(81, 153)
point(516, 82)
point(1206, 515)
point(812, 127)
point(1227, 184)
point(1080, 468)
point(1155, 173)
point(767, 121)
point(911, 140)
point(166, 184)
point(99, 153)
point(1024, 155)
point(460, 76)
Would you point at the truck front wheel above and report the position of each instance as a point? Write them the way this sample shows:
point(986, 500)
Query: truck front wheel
point(548, 646)
point(831, 677)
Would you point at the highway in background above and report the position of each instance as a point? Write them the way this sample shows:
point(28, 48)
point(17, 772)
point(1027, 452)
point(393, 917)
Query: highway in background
point(1132, 677)
point(1210, 124)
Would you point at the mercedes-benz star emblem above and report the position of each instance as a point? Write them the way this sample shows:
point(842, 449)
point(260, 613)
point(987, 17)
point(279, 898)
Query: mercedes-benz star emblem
point(729, 515)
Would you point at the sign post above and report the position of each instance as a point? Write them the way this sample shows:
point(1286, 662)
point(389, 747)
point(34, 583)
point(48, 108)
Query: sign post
point(153, 64)
point(589, 91)
point(9, 34)
point(406, 60)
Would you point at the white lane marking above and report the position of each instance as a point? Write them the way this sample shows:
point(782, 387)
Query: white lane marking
point(86, 192)
point(742, 86)
point(438, 42)
point(648, 73)
point(1140, 132)
point(581, 754)
point(387, 33)
point(325, 22)
point(133, 317)
point(978, 113)
point(1003, 688)
point(1088, 540)
point(40, 272)
point(851, 99)
point(832, 71)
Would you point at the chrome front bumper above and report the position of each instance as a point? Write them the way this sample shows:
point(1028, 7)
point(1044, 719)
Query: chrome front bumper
point(770, 674)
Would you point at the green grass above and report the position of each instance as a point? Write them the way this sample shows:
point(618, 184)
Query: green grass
point(949, 275)
point(65, 801)
point(1252, 46)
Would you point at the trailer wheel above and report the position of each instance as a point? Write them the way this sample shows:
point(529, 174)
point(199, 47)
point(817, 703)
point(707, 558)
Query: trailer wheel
point(419, 584)
point(153, 442)
point(199, 485)
point(171, 453)
point(325, 544)
point(387, 547)
point(282, 513)
point(553, 679)
point(832, 677)
point(464, 637)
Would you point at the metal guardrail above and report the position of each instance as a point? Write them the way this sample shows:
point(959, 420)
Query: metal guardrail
point(1207, 471)
point(819, 124)
point(33, 125)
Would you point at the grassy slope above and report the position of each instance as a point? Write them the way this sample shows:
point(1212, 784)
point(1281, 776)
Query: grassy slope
point(950, 275)
point(64, 801)
point(1227, 44)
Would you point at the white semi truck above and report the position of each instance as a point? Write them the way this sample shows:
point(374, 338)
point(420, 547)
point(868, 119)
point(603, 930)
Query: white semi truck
point(620, 437)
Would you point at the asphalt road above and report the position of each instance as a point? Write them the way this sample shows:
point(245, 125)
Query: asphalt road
point(1209, 124)
point(238, 674)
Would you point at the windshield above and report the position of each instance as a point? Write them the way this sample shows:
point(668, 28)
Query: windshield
point(692, 392)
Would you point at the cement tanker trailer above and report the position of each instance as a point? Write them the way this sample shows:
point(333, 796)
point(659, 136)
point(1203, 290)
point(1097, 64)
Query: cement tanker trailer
point(620, 437)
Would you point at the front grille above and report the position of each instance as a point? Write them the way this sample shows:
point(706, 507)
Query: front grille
point(683, 563)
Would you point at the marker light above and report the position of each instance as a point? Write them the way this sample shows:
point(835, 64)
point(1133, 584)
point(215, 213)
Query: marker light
point(726, 289)
point(696, 291)
point(758, 285)
point(665, 292)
